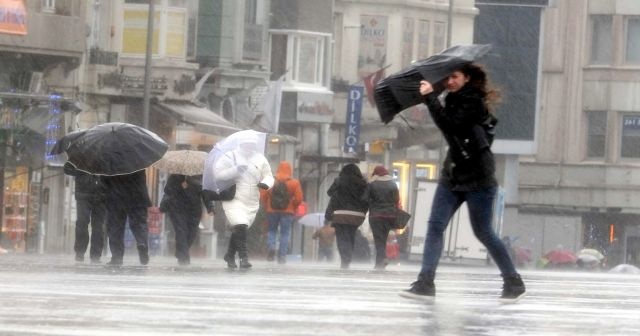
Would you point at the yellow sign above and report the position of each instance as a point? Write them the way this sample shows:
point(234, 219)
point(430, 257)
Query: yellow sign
point(13, 17)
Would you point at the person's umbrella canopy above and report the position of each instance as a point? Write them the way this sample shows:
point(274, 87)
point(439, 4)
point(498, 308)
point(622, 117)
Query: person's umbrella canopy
point(401, 90)
point(63, 143)
point(223, 148)
point(561, 257)
point(115, 149)
point(183, 162)
point(591, 252)
point(315, 219)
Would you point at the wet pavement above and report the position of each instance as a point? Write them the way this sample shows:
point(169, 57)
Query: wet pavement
point(51, 295)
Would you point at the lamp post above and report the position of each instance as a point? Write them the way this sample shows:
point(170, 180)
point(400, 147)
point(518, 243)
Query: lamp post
point(147, 66)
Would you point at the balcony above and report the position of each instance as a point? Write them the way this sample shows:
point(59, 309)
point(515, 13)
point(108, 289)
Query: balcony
point(97, 56)
point(49, 35)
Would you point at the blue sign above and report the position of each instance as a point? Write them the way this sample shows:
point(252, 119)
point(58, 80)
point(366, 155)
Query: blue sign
point(352, 125)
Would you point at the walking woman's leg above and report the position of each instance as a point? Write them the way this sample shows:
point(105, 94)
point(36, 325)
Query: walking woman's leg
point(345, 244)
point(380, 233)
point(180, 230)
point(444, 205)
point(480, 205)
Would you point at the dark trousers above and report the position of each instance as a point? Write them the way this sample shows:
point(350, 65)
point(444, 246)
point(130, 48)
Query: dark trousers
point(90, 211)
point(116, 224)
point(186, 230)
point(346, 239)
point(238, 241)
point(380, 228)
point(480, 204)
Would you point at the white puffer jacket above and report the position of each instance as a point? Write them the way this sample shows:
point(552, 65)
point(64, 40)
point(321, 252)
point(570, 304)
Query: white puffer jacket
point(243, 208)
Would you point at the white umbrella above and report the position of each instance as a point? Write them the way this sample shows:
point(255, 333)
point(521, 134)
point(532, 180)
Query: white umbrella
point(315, 219)
point(222, 149)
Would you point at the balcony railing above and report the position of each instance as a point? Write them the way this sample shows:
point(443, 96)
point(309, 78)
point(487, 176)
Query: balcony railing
point(97, 56)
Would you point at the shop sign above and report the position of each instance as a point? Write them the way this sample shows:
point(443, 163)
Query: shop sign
point(352, 125)
point(314, 107)
point(13, 17)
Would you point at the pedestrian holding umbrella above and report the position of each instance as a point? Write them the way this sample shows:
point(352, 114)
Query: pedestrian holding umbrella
point(115, 149)
point(401, 90)
point(182, 162)
point(238, 161)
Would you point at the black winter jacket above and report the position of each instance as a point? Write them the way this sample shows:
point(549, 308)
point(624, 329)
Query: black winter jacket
point(188, 200)
point(383, 197)
point(348, 203)
point(469, 129)
point(88, 187)
point(127, 191)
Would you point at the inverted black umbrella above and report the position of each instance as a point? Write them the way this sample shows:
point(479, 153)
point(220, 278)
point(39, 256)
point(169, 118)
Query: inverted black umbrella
point(63, 143)
point(115, 149)
point(401, 90)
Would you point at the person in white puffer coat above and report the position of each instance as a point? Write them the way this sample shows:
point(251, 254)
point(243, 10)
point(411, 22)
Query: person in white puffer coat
point(250, 170)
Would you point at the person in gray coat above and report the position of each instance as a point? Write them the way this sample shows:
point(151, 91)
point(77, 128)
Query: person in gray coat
point(383, 197)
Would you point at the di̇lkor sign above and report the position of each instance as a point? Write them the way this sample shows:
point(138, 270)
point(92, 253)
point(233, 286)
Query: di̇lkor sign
point(352, 125)
point(13, 17)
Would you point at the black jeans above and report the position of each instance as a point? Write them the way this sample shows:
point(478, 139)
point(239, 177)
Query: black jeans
point(346, 239)
point(186, 229)
point(380, 227)
point(90, 211)
point(117, 218)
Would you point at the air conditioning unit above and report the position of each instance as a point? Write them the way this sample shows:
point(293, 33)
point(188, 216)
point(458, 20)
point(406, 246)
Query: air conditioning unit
point(35, 84)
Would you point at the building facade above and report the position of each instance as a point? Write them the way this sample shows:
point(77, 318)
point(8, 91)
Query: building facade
point(581, 186)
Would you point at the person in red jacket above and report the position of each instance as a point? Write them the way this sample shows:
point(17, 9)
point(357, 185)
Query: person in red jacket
point(280, 203)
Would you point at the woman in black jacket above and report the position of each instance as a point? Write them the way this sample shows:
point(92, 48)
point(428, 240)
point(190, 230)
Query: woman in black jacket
point(182, 201)
point(383, 197)
point(347, 208)
point(468, 175)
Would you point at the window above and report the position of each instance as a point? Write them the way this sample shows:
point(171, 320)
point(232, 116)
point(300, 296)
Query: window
point(596, 133)
point(630, 136)
point(305, 55)
point(170, 28)
point(251, 11)
point(632, 54)
point(439, 36)
point(423, 39)
point(58, 7)
point(407, 41)
point(601, 39)
point(49, 6)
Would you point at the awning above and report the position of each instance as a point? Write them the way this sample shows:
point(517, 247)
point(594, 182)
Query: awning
point(203, 119)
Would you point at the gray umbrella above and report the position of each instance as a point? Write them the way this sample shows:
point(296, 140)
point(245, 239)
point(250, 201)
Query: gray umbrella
point(401, 90)
point(115, 149)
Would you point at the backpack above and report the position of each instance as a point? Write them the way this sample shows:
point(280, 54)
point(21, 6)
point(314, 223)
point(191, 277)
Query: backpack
point(280, 196)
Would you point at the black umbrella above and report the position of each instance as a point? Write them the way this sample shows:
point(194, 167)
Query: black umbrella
point(63, 143)
point(401, 90)
point(115, 149)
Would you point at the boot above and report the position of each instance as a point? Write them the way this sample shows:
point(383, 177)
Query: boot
point(271, 255)
point(241, 244)
point(231, 261)
point(512, 289)
point(422, 289)
point(143, 253)
point(244, 263)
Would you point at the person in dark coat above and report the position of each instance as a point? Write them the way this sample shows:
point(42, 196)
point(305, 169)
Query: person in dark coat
point(383, 197)
point(347, 209)
point(127, 197)
point(184, 197)
point(468, 175)
point(90, 208)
